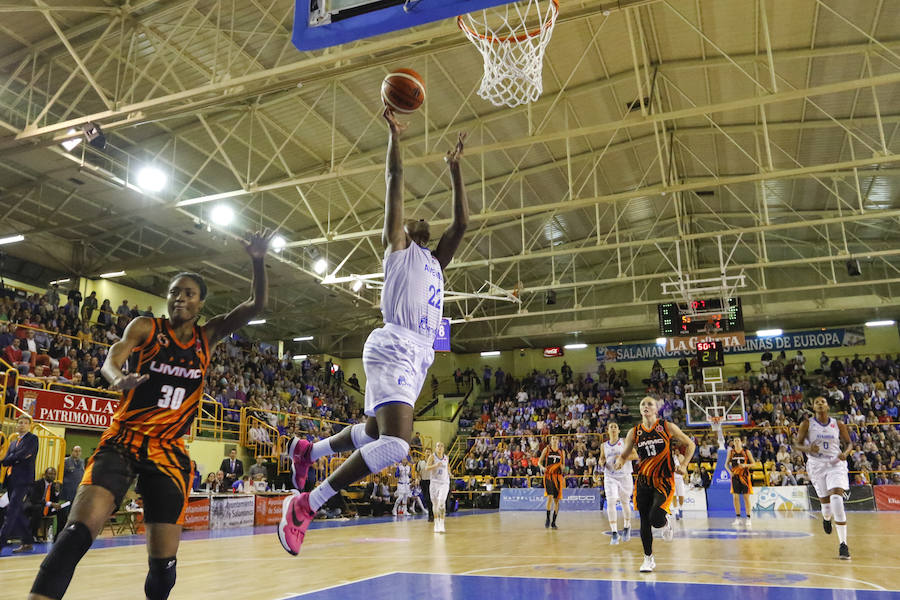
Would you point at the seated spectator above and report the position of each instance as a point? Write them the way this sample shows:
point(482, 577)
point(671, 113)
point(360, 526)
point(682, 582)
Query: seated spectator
point(42, 502)
point(377, 497)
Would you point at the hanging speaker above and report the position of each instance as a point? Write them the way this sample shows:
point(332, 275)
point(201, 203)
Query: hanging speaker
point(853, 268)
point(550, 297)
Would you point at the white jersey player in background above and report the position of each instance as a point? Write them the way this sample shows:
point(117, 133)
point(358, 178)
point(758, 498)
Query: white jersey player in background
point(678, 460)
point(439, 467)
point(396, 357)
point(618, 484)
point(822, 438)
point(403, 488)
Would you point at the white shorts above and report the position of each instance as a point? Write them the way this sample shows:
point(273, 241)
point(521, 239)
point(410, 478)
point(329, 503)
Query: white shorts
point(618, 489)
point(827, 475)
point(439, 493)
point(679, 486)
point(402, 489)
point(396, 361)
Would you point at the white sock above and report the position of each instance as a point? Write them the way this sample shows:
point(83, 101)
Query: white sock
point(320, 495)
point(626, 511)
point(320, 449)
point(842, 533)
point(613, 518)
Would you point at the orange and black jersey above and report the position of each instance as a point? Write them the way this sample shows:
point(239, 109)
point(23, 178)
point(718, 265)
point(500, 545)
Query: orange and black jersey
point(654, 449)
point(165, 405)
point(739, 462)
point(553, 460)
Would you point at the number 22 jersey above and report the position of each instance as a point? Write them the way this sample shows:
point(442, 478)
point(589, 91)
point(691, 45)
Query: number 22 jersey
point(165, 405)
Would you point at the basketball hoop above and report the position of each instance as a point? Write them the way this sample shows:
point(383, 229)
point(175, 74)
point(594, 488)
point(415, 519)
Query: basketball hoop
point(512, 40)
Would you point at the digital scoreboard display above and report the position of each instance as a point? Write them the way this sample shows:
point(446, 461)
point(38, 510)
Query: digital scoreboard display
point(710, 354)
point(701, 316)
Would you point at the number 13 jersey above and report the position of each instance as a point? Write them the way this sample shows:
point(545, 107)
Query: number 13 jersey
point(654, 449)
point(165, 405)
point(413, 293)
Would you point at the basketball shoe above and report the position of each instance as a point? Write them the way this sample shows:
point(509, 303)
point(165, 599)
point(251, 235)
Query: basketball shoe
point(668, 532)
point(296, 515)
point(648, 565)
point(299, 451)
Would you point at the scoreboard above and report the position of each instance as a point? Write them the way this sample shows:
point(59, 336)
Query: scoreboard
point(710, 354)
point(680, 320)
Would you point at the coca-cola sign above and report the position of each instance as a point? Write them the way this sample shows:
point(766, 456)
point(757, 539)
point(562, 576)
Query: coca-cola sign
point(67, 408)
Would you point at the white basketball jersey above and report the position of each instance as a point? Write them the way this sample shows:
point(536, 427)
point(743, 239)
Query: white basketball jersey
point(413, 294)
point(403, 474)
point(440, 474)
point(827, 438)
point(612, 452)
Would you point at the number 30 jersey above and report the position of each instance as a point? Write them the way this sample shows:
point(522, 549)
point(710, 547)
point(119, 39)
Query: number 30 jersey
point(413, 293)
point(165, 405)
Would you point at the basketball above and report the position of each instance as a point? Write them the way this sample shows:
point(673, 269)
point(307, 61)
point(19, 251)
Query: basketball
point(403, 90)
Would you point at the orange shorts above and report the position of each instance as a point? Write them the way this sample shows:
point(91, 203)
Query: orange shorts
point(162, 468)
point(554, 484)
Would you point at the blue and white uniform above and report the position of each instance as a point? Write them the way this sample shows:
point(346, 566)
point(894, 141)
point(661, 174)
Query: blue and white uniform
point(618, 484)
point(826, 470)
point(440, 480)
point(679, 479)
point(396, 357)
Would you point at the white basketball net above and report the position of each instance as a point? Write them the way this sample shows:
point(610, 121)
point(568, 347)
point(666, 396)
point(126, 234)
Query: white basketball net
point(512, 40)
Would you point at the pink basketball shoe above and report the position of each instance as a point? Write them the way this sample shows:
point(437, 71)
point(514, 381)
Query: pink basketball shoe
point(299, 451)
point(296, 515)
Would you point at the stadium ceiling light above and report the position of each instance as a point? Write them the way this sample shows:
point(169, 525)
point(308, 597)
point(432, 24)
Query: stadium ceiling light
point(70, 143)
point(491, 353)
point(884, 323)
point(11, 239)
point(299, 357)
point(112, 274)
point(256, 322)
point(278, 243)
point(58, 281)
point(769, 333)
point(303, 338)
point(151, 179)
point(661, 341)
point(575, 346)
point(320, 266)
point(357, 285)
point(222, 215)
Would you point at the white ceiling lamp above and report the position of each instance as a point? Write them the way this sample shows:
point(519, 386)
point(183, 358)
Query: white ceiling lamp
point(764, 333)
point(71, 143)
point(661, 341)
point(151, 179)
point(303, 338)
point(299, 357)
point(11, 239)
point(320, 266)
point(357, 285)
point(487, 353)
point(883, 323)
point(256, 322)
point(278, 243)
point(575, 346)
point(58, 281)
point(112, 274)
point(222, 215)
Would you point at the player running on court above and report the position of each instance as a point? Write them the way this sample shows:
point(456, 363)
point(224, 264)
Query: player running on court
point(439, 468)
point(551, 463)
point(652, 438)
point(827, 445)
point(168, 359)
point(738, 465)
point(678, 460)
point(396, 357)
point(618, 484)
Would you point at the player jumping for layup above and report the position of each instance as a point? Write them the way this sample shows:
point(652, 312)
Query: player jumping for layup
point(652, 438)
point(617, 483)
point(396, 357)
point(821, 439)
point(168, 359)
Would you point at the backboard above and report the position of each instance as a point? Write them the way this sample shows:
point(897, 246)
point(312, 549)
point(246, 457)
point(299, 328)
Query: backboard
point(323, 23)
point(729, 404)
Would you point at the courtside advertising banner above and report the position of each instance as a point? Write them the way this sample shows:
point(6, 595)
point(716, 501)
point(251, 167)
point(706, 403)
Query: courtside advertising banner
point(887, 497)
point(534, 499)
point(67, 408)
point(694, 499)
point(231, 511)
point(268, 509)
point(861, 498)
point(787, 497)
point(196, 516)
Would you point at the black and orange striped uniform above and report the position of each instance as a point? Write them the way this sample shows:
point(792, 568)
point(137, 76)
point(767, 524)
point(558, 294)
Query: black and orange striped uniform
point(740, 472)
point(144, 439)
point(553, 478)
point(656, 468)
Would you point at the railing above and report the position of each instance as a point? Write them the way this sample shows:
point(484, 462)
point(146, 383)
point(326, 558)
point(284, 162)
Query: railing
point(51, 447)
point(54, 334)
point(265, 443)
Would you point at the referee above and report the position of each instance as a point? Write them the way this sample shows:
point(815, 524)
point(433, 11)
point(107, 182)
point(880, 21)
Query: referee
point(425, 478)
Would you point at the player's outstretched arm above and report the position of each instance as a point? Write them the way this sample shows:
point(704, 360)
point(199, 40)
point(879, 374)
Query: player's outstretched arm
point(846, 442)
point(221, 326)
point(627, 450)
point(135, 334)
point(679, 436)
point(451, 239)
point(393, 237)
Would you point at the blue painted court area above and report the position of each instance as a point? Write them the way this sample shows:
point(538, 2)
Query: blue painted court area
point(419, 586)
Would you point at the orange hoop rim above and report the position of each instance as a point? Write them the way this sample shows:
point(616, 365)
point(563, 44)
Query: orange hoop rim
point(554, 4)
point(716, 420)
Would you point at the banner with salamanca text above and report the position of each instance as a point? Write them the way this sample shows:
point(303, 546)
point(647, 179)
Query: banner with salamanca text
point(735, 343)
point(67, 408)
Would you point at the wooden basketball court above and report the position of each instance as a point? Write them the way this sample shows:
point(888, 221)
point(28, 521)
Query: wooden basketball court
point(502, 555)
